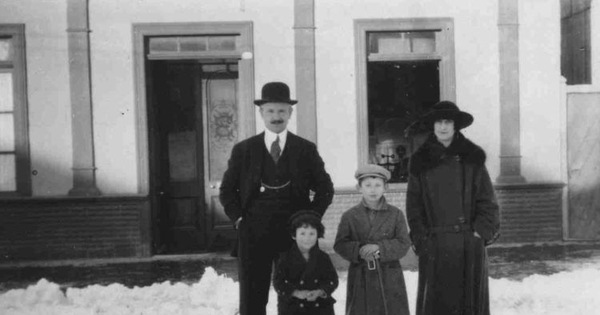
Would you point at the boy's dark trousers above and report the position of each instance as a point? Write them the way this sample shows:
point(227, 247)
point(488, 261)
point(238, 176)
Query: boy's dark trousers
point(263, 235)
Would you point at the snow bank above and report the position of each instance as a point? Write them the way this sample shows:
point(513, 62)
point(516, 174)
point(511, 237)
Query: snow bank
point(573, 292)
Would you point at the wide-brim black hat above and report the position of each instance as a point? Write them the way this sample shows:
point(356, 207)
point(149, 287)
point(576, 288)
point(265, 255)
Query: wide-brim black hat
point(275, 92)
point(447, 110)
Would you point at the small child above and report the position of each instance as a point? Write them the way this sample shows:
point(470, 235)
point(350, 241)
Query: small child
point(304, 275)
point(373, 237)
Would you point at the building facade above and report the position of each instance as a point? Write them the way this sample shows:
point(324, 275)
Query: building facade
point(117, 117)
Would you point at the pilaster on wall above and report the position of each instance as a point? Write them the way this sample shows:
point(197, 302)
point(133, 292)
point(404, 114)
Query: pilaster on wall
point(304, 36)
point(84, 169)
point(510, 121)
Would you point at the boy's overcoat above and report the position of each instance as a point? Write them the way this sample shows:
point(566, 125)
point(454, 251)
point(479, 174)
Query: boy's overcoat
point(388, 230)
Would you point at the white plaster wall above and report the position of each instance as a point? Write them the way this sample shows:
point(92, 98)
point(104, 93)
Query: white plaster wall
point(539, 51)
point(112, 68)
point(476, 47)
point(47, 91)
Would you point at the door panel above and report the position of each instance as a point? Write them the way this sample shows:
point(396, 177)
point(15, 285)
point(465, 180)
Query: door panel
point(178, 149)
point(583, 142)
point(221, 111)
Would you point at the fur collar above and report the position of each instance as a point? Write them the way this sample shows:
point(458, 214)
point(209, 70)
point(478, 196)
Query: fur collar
point(431, 153)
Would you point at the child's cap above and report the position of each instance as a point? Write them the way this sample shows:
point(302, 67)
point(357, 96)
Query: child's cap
point(306, 217)
point(372, 170)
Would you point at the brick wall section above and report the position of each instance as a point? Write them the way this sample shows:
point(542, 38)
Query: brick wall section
point(53, 228)
point(528, 213)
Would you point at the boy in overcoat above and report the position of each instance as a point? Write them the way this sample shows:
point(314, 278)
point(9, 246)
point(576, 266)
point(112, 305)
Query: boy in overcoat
point(373, 236)
point(305, 277)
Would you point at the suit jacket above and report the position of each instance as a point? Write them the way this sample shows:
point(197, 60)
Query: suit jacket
point(241, 181)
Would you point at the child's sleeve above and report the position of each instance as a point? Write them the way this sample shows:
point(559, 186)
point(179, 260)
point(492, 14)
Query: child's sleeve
point(344, 245)
point(330, 279)
point(396, 247)
point(280, 279)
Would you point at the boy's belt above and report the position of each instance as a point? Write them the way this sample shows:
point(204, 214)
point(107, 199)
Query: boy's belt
point(456, 228)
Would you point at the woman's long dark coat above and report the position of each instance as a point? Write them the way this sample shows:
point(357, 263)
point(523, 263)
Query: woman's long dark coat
point(293, 272)
point(388, 230)
point(453, 276)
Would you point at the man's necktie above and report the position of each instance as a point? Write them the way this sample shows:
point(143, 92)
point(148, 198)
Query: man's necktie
point(275, 150)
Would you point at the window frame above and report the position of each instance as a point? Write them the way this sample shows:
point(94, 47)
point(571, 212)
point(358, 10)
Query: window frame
point(445, 53)
point(576, 42)
point(20, 111)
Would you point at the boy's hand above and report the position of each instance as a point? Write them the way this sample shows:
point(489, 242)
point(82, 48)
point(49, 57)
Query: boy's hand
point(301, 294)
point(368, 251)
point(315, 294)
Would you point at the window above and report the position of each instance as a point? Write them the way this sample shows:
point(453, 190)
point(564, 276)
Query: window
point(404, 67)
point(575, 41)
point(14, 145)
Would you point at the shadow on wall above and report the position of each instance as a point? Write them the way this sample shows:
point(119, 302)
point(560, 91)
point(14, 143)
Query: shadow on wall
point(51, 177)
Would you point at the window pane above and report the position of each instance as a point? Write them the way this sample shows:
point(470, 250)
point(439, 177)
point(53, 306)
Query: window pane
point(7, 132)
point(221, 43)
point(163, 44)
point(422, 42)
point(6, 92)
point(389, 42)
point(402, 42)
point(8, 180)
point(193, 43)
point(5, 49)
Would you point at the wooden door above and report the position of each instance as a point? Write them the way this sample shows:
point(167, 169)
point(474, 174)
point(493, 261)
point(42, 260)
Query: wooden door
point(221, 117)
point(177, 167)
point(583, 150)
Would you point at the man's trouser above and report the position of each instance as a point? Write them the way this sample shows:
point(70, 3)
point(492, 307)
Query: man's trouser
point(263, 234)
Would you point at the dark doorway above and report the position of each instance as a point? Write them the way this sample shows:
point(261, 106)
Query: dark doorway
point(181, 151)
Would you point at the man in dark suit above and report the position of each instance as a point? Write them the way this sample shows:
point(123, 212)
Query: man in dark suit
point(269, 177)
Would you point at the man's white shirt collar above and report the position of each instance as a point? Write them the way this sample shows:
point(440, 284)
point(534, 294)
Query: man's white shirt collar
point(270, 136)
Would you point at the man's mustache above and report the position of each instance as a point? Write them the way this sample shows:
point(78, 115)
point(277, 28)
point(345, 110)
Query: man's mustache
point(277, 121)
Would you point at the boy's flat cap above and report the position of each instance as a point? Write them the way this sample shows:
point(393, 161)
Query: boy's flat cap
point(372, 170)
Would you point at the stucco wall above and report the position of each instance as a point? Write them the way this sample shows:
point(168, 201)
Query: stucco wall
point(539, 52)
point(476, 47)
point(48, 91)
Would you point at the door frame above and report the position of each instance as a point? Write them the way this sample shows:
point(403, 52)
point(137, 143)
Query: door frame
point(247, 126)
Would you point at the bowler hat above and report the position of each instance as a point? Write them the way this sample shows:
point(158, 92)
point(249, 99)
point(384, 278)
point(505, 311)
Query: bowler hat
point(372, 170)
point(276, 92)
point(447, 110)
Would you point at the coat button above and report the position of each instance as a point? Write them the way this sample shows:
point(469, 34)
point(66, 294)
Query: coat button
point(317, 304)
point(461, 219)
point(301, 281)
point(457, 228)
point(316, 281)
point(301, 305)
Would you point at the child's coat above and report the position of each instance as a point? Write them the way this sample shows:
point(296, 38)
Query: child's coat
point(293, 272)
point(388, 229)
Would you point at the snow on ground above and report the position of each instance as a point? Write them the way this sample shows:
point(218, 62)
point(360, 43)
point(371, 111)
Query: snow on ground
point(572, 292)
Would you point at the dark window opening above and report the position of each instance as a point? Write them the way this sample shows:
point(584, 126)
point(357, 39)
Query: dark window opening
point(398, 93)
point(576, 49)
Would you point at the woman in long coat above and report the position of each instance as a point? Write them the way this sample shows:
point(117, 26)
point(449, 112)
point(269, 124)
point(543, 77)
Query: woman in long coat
point(452, 214)
point(385, 226)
